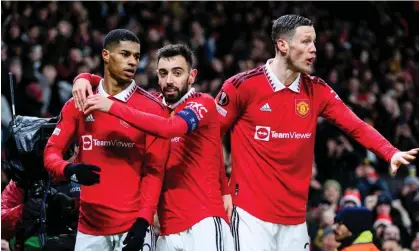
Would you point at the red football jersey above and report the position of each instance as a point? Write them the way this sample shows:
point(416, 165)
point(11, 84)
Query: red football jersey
point(195, 168)
point(162, 128)
point(191, 189)
point(132, 162)
point(272, 137)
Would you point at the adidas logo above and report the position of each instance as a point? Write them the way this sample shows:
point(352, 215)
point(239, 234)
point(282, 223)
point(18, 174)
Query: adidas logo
point(265, 108)
point(74, 178)
point(89, 118)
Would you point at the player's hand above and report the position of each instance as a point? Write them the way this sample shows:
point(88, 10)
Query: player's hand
point(156, 222)
point(97, 103)
point(156, 225)
point(228, 205)
point(84, 174)
point(402, 158)
point(134, 240)
point(80, 88)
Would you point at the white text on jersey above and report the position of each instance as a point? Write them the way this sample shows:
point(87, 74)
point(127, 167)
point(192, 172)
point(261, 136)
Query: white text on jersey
point(175, 139)
point(265, 133)
point(88, 142)
point(113, 143)
point(290, 135)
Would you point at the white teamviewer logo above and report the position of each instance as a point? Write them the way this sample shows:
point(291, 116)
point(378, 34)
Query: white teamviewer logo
point(264, 133)
point(88, 141)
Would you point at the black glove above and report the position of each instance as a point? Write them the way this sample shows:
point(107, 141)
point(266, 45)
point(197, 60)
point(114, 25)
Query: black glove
point(135, 237)
point(84, 174)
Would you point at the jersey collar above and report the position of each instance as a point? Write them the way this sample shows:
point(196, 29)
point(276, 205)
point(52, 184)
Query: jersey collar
point(276, 84)
point(185, 97)
point(123, 96)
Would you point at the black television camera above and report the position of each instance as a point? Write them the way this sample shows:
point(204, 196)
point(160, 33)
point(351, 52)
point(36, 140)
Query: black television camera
point(25, 146)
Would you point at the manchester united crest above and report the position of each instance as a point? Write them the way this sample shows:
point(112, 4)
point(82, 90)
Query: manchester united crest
point(302, 107)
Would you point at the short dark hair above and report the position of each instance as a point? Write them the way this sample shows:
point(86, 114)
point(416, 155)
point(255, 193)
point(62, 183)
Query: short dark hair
point(114, 37)
point(286, 25)
point(173, 50)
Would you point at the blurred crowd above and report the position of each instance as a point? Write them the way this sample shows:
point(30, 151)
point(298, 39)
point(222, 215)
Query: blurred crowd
point(370, 59)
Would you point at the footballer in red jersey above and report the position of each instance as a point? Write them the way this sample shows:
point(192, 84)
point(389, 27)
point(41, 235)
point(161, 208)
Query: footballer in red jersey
point(272, 113)
point(191, 211)
point(120, 168)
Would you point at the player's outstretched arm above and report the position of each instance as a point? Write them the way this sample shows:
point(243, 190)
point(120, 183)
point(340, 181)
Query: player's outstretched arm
point(195, 114)
point(175, 126)
point(82, 86)
point(338, 113)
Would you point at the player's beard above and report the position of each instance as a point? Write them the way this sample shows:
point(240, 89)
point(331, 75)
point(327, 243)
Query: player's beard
point(171, 99)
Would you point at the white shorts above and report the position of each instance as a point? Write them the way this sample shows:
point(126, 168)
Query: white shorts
point(210, 234)
point(86, 242)
point(253, 234)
